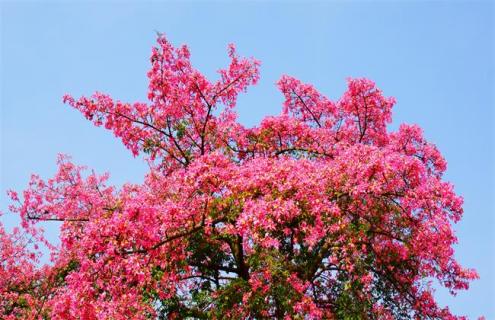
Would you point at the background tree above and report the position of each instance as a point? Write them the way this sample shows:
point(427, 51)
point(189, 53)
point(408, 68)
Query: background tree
point(318, 213)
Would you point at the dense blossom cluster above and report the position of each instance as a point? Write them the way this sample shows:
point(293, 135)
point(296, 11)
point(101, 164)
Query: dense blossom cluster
point(317, 213)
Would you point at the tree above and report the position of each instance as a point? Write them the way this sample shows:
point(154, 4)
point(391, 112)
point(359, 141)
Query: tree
point(318, 213)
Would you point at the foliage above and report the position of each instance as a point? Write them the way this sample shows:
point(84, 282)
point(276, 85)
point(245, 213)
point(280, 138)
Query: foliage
point(317, 213)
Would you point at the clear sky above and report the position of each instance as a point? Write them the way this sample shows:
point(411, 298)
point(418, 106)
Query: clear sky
point(436, 58)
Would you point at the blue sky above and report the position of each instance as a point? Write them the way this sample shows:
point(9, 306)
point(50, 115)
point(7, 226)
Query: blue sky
point(436, 58)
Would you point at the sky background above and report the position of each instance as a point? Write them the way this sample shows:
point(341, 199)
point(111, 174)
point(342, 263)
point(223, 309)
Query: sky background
point(436, 58)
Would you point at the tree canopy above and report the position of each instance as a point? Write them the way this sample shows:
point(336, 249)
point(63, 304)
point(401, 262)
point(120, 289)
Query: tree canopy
point(317, 213)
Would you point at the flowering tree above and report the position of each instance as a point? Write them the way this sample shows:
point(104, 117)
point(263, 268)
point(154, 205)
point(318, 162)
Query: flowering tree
point(318, 213)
